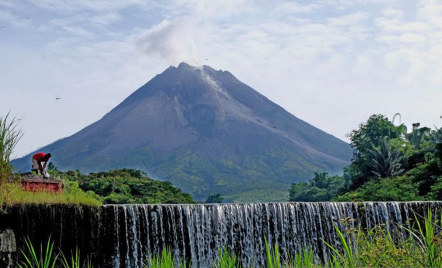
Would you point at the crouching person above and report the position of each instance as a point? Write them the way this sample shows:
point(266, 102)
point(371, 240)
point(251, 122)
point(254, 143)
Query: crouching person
point(37, 161)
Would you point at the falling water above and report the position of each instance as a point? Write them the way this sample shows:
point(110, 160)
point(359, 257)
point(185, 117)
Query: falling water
point(195, 233)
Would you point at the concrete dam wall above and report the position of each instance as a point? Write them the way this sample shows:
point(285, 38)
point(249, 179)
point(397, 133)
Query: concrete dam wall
point(123, 236)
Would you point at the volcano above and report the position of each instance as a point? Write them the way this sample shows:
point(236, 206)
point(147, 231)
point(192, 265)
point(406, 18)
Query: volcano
point(206, 132)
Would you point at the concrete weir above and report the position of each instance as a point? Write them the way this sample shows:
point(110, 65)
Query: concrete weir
point(127, 235)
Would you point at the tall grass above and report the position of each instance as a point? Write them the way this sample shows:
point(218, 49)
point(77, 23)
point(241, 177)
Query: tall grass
point(44, 259)
point(75, 261)
point(164, 260)
point(226, 260)
point(47, 258)
point(9, 137)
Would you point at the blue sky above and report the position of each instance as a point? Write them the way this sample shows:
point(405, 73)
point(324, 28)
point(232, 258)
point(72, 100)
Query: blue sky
point(331, 63)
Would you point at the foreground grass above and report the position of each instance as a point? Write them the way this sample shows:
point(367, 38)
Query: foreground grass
point(13, 194)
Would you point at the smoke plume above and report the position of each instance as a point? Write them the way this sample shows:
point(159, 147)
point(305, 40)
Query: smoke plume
point(172, 41)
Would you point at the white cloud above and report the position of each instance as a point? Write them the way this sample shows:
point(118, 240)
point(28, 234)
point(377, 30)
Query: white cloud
point(393, 13)
point(78, 31)
point(348, 20)
point(412, 38)
point(293, 8)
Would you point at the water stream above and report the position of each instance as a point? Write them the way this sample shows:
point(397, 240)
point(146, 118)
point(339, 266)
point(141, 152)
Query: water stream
point(195, 233)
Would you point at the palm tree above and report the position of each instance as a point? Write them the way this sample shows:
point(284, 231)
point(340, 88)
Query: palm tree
point(386, 161)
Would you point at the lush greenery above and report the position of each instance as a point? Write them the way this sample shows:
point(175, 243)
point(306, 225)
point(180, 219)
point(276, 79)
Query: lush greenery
point(321, 188)
point(214, 198)
point(389, 163)
point(124, 186)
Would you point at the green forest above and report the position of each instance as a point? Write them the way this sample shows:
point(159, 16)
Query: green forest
point(390, 163)
point(124, 186)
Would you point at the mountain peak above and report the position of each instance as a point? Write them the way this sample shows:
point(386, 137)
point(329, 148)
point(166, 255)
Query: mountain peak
point(184, 65)
point(206, 132)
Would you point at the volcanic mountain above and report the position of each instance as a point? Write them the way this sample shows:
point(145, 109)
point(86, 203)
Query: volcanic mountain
point(206, 132)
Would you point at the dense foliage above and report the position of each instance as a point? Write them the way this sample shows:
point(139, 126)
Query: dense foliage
point(321, 188)
point(125, 186)
point(214, 198)
point(389, 163)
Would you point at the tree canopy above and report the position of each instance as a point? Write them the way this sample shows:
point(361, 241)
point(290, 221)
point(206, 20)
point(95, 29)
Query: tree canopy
point(389, 163)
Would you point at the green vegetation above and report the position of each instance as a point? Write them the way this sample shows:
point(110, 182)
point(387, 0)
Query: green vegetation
point(164, 260)
point(321, 188)
point(47, 258)
point(389, 164)
point(124, 186)
point(9, 137)
point(214, 198)
point(12, 193)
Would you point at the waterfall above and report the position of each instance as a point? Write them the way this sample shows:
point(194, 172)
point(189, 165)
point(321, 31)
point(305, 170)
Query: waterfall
point(124, 236)
point(195, 233)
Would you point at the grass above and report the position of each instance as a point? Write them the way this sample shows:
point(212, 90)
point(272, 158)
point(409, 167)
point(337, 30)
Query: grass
point(9, 137)
point(46, 258)
point(13, 194)
point(164, 260)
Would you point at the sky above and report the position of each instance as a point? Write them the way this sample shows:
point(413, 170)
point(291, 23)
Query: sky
point(332, 63)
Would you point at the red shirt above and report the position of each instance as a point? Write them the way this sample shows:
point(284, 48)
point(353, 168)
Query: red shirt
point(39, 157)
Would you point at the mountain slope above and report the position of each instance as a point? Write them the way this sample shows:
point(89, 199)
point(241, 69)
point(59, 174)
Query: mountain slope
point(205, 131)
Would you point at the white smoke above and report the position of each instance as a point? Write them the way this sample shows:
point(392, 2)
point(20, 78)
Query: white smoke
point(172, 41)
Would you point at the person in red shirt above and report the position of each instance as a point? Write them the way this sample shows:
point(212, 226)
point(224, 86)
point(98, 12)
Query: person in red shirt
point(37, 161)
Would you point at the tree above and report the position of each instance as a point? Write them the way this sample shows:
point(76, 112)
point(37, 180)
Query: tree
point(52, 167)
point(419, 136)
point(369, 136)
point(386, 161)
point(371, 133)
point(321, 188)
point(214, 198)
